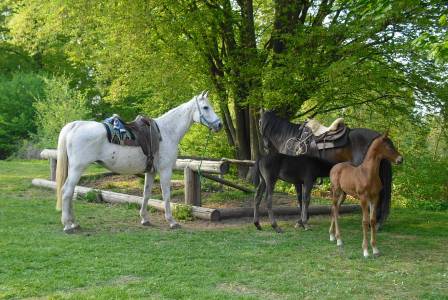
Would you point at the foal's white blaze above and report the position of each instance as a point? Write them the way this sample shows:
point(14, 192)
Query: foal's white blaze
point(84, 142)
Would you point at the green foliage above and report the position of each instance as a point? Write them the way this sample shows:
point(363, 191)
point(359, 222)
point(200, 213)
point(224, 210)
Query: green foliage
point(200, 141)
point(60, 105)
point(183, 212)
point(17, 94)
point(93, 196)
point(422, 182)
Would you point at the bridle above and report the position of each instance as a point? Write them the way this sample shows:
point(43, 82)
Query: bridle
point(203, 120)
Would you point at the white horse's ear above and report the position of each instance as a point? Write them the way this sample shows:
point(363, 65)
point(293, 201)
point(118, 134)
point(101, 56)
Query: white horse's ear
point(202, 94)
point(206, 94)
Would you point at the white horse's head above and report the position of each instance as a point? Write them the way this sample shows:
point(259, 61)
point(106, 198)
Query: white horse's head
point(205, 114)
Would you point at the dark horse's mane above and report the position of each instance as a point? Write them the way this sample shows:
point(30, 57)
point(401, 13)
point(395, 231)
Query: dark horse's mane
point(276, 130)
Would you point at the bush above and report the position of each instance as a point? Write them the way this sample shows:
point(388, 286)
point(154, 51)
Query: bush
point(183, 212)
point(59, 106)
point(17, 94)
point(422, 182)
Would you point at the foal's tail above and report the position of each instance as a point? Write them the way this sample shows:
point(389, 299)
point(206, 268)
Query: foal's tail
point(383, 208)
point(61, 166)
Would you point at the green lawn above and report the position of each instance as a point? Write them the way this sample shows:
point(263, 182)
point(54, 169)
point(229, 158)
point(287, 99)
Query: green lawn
point(115, 258)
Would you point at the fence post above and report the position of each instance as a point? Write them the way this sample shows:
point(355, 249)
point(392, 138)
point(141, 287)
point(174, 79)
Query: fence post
point(192, 187)
point(53, 163)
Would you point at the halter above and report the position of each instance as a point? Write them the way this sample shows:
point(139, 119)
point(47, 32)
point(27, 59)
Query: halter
point(202, 119)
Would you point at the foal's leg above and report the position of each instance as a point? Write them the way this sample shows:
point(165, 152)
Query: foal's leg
point(270, 184)
point(67, 217)
point(298, 187)
point(165, 182)
point(257, 199)
point(149, 180)
point(336, 206)
point(375, 250)
point(365, 226)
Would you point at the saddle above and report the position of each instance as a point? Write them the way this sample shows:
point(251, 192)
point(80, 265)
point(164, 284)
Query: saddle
point(142, 132)
point(315, 137)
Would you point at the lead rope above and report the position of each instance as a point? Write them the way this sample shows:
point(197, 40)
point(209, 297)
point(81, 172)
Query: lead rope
point(203, 153)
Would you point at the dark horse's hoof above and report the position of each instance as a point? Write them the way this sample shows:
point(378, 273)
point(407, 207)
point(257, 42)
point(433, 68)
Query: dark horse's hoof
point(147, 223)
point(277, 229)
point(257, 224)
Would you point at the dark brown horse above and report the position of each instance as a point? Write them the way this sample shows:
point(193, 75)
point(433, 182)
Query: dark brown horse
point(275, 131)
point(364, 183)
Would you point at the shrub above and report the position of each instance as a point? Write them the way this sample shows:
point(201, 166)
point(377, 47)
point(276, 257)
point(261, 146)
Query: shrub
point(17, 94)
point(183, 212)
point(422, 182)
point(59, 106)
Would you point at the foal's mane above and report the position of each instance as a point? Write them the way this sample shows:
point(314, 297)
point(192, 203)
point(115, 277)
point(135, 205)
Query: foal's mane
point(277, 129)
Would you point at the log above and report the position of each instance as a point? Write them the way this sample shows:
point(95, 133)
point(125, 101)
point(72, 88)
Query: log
point(49, 153)
point(239, 212)
point(206, 166)
point(112, 197)
point(239, 161)
point(226, 182)
point(192, 189)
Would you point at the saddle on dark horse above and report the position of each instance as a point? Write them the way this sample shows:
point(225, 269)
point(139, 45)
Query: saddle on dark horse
point(314, 137)
point(142, 132)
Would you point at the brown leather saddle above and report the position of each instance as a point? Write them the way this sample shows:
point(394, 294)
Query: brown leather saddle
point(142, 132)
point(308, 144)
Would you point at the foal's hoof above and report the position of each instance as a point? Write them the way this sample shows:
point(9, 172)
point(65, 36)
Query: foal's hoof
point(71, 229)
point(146, 223)
point(175, 226)
point(257, 224)
point(306, 227)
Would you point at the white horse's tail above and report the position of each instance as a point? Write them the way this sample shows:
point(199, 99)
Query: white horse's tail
point(61, 166)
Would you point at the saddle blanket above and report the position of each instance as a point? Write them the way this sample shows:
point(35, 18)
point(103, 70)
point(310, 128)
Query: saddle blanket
point(117, 133)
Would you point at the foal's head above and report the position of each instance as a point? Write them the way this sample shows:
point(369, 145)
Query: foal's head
point(204, 112)
point(385, 149)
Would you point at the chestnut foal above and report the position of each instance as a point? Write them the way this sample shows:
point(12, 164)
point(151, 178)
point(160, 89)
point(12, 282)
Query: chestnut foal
point(362, 182)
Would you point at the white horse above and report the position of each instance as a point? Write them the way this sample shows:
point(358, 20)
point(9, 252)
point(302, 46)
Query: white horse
point(83, 142)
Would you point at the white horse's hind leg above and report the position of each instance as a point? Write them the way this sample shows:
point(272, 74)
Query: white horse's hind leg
point(165, 182)
point(68, 218)
point(149, 180)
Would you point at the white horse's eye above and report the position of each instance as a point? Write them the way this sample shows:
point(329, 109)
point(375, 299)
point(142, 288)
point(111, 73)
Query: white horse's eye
point(205, 107)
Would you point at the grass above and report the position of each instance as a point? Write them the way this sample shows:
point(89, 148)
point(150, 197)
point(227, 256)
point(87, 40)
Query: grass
point(112, 257)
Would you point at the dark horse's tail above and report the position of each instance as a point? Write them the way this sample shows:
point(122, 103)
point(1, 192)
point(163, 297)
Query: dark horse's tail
point(383, 208)
point(256, 173)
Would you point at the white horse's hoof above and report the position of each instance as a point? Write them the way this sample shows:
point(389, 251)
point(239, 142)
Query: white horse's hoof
point(146, 223)
point(175, 226)
point(69, 229)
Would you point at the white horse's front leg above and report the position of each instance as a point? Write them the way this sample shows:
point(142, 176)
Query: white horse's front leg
point(165, 182)
point(149, 180)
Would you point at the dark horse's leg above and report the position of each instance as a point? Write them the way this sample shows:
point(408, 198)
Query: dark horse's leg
point(307, 187)
point(298, 187)
point(270, 184)
point(257, 199)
